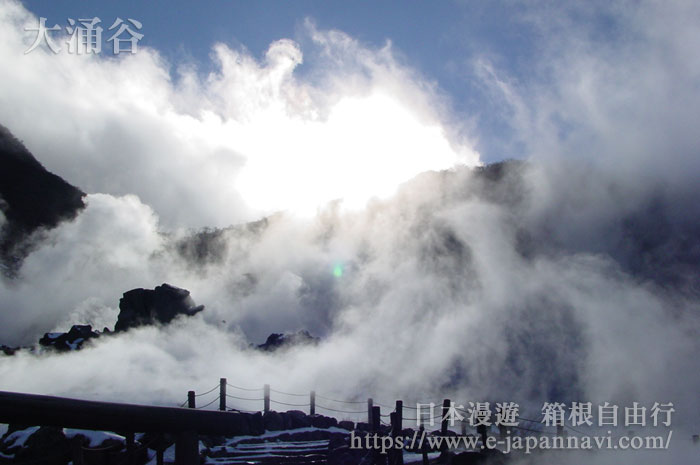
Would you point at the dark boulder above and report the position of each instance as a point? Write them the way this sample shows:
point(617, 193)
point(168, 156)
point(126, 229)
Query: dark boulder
point(338, 440)
point(256, 423)
point(346, 424)
point(140, 307)
point(161, 441)
point(363, 426)
point(287, 419)
point(239, 424)
point(277, 341)
point(48, 446)
point(322, 421)
point(7, 350)
point(273, 421)
point(298, 419)
point(72, 340)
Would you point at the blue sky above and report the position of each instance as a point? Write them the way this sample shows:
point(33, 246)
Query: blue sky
point(240, 103)
point(438, 39)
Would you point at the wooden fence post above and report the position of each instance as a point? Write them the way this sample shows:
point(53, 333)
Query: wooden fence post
point(222, 394)
point(443, 429)
point(187, 448)
point(445, 410)
point(130, 449)
point(312, 403)
point(375, 425)
point(399, 416)
point(396, 455)
point(370, 404)
point(266, 406)
point(483, 432)
point(160, 449)
point(77, 455)
point(376, 418)
point(190, 399)
point(424, 449)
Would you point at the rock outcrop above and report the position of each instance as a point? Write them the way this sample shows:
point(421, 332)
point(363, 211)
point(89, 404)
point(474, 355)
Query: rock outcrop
point(277, 341)
point(72, 340)
point(31, 198)
point(161, 305)
point(138, 307)
point(7, 350)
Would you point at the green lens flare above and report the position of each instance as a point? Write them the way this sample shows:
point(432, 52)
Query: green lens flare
point(337, 271)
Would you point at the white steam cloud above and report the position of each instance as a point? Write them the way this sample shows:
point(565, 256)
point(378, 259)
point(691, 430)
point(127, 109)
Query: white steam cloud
point(440, 295)
point(248, 138)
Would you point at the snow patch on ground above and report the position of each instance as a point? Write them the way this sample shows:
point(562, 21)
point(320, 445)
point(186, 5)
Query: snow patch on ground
point(412, 457)
point(75, 345)
point(18, 438)
point(273, 434)
point(96, 438)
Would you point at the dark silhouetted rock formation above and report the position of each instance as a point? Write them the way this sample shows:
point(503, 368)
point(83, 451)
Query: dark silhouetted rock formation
point(72, 340)
point(137, 307)
point(7, 350)
point(277, 341)
point(30, 198)
point(161, 305)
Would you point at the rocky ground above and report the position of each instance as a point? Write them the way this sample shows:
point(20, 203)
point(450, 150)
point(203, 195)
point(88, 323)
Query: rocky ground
point(139, 307)
point(291, 437)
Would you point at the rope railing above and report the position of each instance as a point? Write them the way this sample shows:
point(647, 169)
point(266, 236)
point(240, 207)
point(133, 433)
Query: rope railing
point(313, 406)
point(340, 411)
point(207, 405)
point(382, 406)
point(341, 401)
point(289, 393)
point(423, 419)
point(290, 405)
point(244, 398)
point(244, 389)
point(208, 392)
point(436, 404)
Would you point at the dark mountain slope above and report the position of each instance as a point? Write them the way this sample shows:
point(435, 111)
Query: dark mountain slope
point(30, 198)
